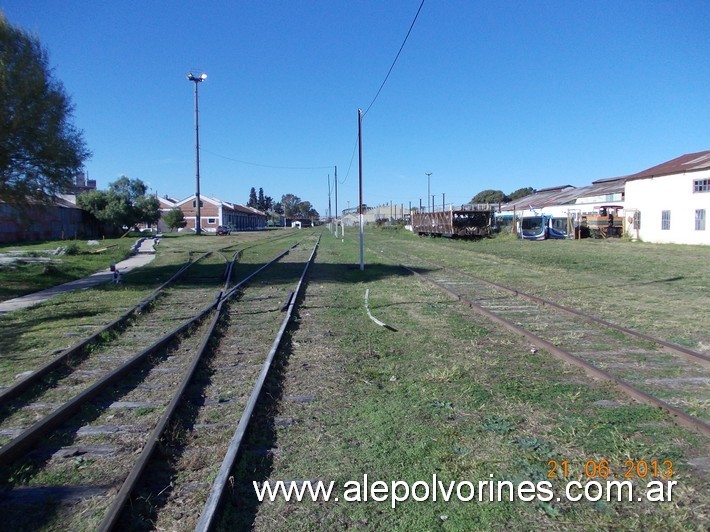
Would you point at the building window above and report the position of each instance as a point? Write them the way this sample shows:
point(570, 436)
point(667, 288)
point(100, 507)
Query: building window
point(194, 203)
point(212, 220)
point(700, 219)
point(665, 220)
point(701, 185)
point(637, 220)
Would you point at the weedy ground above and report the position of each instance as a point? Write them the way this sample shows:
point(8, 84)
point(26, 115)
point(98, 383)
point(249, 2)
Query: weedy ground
point(449, 393)
point(444, 391)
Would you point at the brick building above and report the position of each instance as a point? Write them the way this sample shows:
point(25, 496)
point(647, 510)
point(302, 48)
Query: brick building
point(213, 213)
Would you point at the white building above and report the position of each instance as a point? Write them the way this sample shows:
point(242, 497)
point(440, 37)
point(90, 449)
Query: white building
point(672, 200)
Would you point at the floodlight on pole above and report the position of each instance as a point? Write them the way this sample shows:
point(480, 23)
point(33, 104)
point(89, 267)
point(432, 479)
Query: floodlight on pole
point(428, 191)
point(197, 79)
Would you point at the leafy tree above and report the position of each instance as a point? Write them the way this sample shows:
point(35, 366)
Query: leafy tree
point(289, 203)
point(130, 189)
point(40, 150)
point(261, 201)
point(306, 210)
point(490, 196)
point(124, 204)
point(264, 203)
point(147, 209)
point(521, 193)
point(279, 208)
point(175, 218)
point(294, 207)
point(252, 198)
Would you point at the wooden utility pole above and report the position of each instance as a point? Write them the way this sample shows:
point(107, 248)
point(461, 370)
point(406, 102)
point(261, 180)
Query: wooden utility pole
point(360, 208)
point(336, 202)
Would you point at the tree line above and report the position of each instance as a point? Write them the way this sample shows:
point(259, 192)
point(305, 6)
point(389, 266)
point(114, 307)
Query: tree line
point(498, 196)
point(290, 205)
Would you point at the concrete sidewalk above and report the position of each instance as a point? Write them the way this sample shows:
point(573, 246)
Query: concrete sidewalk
point(144, 252)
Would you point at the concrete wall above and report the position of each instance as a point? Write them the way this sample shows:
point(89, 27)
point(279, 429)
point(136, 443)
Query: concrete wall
point(672, 193)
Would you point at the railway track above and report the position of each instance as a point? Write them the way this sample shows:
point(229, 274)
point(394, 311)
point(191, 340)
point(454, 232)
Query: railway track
point(76, 459)
point(168, 298)
point(651, 370)
point(151, 318)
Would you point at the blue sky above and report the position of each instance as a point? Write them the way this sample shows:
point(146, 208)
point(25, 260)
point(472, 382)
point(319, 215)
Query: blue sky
point(485, 94)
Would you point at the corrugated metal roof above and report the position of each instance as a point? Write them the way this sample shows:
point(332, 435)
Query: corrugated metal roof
point(545, 198)
point(50, 201)
point(690, 162)
point(621, 180)
point(566, 195)
point(606, 186)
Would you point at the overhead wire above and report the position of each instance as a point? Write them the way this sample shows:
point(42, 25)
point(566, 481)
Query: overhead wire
point(266, 165)
point(384, 81)
point(352, 158)
point(411, 26)
point(395, 59)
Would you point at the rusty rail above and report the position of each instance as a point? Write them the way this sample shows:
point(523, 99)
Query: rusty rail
point(682, 418)
point(66, 356)
point(689, 354)
point(210, 510)
point(114, 512)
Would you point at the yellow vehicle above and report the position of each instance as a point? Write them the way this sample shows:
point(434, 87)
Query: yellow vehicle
point(606, 221)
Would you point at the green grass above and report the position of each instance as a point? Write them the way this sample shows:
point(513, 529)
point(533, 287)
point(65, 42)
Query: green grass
point(446, 394)
point(29, 337)
point(19, 278)
point(659, 289)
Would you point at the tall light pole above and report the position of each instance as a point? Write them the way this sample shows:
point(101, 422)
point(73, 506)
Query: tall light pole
point(197, 79)
point(428, 192)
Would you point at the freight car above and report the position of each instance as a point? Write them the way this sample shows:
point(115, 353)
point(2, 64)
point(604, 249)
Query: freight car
point(470, 221)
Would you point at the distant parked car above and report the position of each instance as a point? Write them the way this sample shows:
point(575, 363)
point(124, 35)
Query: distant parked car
point(223, 230)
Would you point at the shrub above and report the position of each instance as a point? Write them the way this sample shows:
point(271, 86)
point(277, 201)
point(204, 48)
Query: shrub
point(72, 249)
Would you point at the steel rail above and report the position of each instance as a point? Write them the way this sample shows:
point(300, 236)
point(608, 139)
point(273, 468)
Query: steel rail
point(113, 514)
point(688, 354)
point(682, 418)
point(29, 437)
point(209, 512)
point(65, 356)
point(26, 439)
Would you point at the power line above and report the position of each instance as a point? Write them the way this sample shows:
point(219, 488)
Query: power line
point(352, 157)
point(395, 59)
point(366, 111)
point(266, 165)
